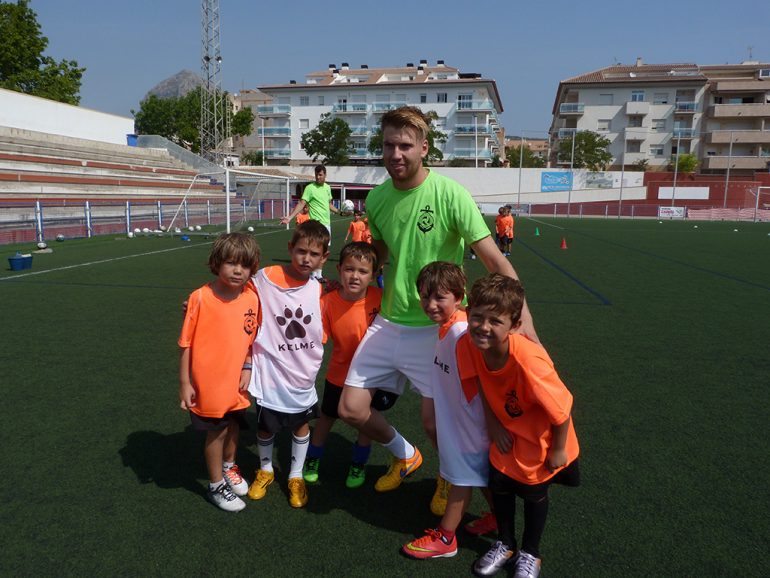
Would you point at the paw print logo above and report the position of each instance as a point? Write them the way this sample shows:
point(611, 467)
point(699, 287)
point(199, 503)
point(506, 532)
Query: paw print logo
point(293, 321)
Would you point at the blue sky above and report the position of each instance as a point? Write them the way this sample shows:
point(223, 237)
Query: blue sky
point(527, 47)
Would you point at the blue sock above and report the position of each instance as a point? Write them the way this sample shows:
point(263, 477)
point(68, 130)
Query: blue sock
point(361, 454)
point(315, 452)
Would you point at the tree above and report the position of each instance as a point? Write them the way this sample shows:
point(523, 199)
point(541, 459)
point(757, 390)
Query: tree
point(23, 67)
point(530, 160)
point(252, 158)
point(178, 119)
point(434, 135)
point(591, 151)
point(641, 165)
point(687, 163)
point(328, 140)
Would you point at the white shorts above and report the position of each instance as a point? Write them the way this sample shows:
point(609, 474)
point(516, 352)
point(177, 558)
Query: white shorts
point(390, 354)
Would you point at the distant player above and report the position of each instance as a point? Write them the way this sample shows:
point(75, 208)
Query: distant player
point(357, 228)
point(347, 314)
point(219, 327)
point(500, 229)
point(529, 419)
point(506, 238)
point(287, 355)
point(303, 216)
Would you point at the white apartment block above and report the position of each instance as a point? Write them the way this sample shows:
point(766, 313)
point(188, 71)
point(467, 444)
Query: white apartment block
point(721, 114)
point(467, 106)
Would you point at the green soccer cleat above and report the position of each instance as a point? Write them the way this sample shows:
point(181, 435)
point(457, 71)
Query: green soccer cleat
point(310, 471)
point(356, 475)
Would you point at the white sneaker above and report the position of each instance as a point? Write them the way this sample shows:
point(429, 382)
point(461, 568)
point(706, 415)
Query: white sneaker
point(224, 499)
point(493, 561)
point(527, 566)
point(234, 479)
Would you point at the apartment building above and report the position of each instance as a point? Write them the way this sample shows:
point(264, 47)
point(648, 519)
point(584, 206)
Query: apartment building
point(467, 106)
point(719, 113)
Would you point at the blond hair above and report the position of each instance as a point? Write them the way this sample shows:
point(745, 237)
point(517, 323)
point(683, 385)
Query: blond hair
point(407, 117)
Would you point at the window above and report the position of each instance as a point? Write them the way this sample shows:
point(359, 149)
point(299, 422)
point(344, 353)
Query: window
point(320, 101)
point(660, 98)
point(441, 97)
point(637, 96)
point(304, 101)
point(423, 98)
point(603, 125)
point(465, 101)
point(656, 150)
point(304, 123)
point(717, 100)
point(605, 99)
point(635, 121)
point(659, 124)
point(633, 146)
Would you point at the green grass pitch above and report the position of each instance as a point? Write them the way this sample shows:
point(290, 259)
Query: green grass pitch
point(660, 329)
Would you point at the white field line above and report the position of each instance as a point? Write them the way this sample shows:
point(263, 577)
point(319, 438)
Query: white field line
point(112, 260)
point(544, 223)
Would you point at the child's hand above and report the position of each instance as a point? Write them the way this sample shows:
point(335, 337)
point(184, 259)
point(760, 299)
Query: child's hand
point(556, 459)
point(501, 436)
point(243, 385)
point(186, 396)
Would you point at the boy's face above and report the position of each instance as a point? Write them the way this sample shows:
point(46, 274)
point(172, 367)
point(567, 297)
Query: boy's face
point(306, 257)
point(355, 217)
point(320, 177)
point(233, 275)
point(355, 276)
point(439, 306)
point(489, 329)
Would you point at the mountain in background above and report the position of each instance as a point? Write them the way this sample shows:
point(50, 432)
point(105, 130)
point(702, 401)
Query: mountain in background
point(176, 86)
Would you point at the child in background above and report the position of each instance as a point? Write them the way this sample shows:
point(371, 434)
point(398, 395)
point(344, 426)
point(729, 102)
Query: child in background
point(287, 355)
point(303, 216)
point(507, 238)
point(357, 228)
point(463, 445)
point(347, 313)
point(219, 327)
point(500, 228)
point(529, 419)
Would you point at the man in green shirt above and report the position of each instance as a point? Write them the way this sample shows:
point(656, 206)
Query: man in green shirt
point(415, 218)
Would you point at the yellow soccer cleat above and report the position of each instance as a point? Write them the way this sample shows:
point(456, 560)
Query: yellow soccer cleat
point(258, 488)
point(297, 493)
point(440, 496)
point(399, 469)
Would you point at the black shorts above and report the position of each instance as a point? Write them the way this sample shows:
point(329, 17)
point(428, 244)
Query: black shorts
point(499, 483)
point(381, 401)
point(273, 421)
point(202, 423)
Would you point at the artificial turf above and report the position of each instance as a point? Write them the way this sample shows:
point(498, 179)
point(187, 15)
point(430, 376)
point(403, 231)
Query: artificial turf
point(660, 329)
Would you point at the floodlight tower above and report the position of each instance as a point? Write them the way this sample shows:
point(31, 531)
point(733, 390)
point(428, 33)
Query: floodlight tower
point(214, 127)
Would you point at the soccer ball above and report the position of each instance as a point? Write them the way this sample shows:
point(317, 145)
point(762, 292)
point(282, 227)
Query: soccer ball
point(191, 229)
point(197, 227)
point(59, 237)
point(163, 227)
point(145, 230)
point(348, 205)
point(177, 230)
point(130, 234)
point(137, 231)
point(250, 229)
point(42, 245)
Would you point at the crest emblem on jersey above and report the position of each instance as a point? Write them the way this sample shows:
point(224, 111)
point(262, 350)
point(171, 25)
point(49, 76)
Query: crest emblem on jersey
point(512, 407)
point(425, 221)
point(293, 322)
point(249, 322)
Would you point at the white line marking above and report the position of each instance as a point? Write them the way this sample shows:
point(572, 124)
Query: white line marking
point(547, 224)
point(112, 260)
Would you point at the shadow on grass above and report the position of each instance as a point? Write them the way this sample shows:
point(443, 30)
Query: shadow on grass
point(167, 460)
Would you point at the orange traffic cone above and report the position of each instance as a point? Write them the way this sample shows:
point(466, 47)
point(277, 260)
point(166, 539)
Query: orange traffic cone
point(563, 243)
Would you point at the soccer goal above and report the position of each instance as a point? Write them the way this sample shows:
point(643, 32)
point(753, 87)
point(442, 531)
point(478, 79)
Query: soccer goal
point(761, 204)
point(231, 199)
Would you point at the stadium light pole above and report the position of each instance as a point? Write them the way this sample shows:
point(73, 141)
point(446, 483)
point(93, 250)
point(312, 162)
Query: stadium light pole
point(521, 166)
point(622, 170)
point(476, 140)
point(262, 119)
point(571, 173)
point(676, 164)
point(727, 174)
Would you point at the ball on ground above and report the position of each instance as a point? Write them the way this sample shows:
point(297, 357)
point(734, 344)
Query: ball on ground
point(137, 231)
point(42, 245)
point(177, 230)
point(191, 229)
point(130, 234)
point(695, 226)
point(145, 230)
point(197, 227)
point(59, 237)
point(735, 230)
point(250, 229)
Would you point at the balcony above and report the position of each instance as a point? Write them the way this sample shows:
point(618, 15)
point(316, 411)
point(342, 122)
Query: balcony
point(472, 129)
point(481, 153)
point(566, 132)
point(683, 133)
point(636, 108)
point(274, 131)
point(686, 107)
point(380, 107)
point(741, 86)
point(740, 136)
point(360, 130)
point(736, 162)
point(358, 153)
point(350, 108)
point(487, 105)
point(635, 133)
point(278, 153)
point(274, 110)
point(571, 108)
point(751, 110)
